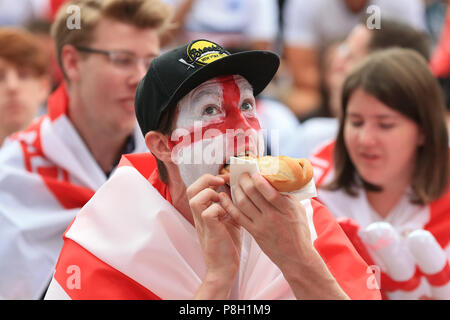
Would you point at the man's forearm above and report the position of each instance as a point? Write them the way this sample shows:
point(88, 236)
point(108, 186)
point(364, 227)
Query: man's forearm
point(311, 280)
point(215, 288)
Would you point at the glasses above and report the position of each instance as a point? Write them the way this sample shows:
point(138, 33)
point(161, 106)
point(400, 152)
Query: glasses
point(121, 59)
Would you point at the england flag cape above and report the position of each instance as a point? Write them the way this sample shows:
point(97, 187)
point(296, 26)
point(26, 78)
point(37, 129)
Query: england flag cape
point(46, 175)
point(357, 218)
point(129, 242)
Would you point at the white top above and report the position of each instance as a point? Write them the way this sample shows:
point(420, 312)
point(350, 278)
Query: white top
point(311, 23)
point(397, 243)
point(279, 125)
point(230, 20)
point(404, 217)
point(310, 135)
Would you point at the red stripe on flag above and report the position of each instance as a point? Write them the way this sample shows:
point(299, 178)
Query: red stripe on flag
point(83, 276)
point(341, 258)
point(439, 223)
point(441, 278)
point(440, 61)
point(69, 195)
point(325, 154)
point(390, 285)
point(144, 162)
point(58, 102)
point(55, 178)
point(351, 228)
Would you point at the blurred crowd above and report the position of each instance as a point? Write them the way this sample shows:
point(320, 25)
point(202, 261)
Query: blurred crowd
point(60, 85)
point(318, 44)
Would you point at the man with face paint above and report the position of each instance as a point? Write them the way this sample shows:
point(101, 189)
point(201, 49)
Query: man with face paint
point(164, 226)
point(215, 121)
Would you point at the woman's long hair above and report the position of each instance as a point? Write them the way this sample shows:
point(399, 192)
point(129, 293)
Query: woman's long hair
point(400, 79)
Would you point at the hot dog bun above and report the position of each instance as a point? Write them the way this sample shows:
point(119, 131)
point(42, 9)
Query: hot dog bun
point(284, 173)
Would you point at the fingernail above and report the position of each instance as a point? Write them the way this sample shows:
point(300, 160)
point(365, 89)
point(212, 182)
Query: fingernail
point(256, 175)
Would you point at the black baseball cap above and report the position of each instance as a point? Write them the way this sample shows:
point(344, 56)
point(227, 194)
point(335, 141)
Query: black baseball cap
point(175, 73)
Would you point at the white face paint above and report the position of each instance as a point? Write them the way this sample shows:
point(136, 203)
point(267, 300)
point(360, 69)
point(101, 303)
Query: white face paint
point(216, 120)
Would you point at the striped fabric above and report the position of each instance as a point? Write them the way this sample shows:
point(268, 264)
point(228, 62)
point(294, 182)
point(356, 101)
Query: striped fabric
point(407, 218)
point(129, 242)
point(46, 175)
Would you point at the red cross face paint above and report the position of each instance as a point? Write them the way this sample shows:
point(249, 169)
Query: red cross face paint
point(216, 120)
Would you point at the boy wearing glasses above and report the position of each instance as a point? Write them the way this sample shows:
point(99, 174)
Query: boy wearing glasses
point(51, 169)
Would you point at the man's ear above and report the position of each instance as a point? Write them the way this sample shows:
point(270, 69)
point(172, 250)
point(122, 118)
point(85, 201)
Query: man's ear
point(70, 59)
point(421, 140)
point(158, 144)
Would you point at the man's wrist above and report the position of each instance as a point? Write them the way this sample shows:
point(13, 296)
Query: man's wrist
point(216, 286)
point(307, 263)
point(221, 279)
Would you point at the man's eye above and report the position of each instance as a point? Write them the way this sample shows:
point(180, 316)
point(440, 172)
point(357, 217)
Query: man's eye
point(386, 125)
point(211, 110)
point(246, 106)
point(123, 61)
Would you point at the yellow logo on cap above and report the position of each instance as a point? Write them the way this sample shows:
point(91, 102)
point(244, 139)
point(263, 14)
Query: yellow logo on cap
point(203, 52)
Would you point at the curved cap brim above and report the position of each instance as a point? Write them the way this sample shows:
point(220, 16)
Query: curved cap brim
point(257, 67)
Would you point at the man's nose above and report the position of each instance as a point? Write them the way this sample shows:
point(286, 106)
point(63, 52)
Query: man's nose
point(244, 132)
point(12, 81)
point(242, 123)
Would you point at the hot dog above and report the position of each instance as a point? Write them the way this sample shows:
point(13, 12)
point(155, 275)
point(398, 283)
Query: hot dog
point(284, 173)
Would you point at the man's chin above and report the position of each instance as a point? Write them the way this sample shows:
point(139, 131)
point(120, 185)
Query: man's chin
point(126, 127)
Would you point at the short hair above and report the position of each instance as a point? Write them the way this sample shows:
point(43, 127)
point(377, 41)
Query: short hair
point(401, 79)
point(22, 49)
point(166, 127)
point(394, 33)
point(139, 13)
point(39, 26)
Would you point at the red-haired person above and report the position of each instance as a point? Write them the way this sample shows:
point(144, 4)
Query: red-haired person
point(24, 80)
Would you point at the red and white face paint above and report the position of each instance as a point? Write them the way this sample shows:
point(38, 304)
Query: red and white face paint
point(216, 120)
